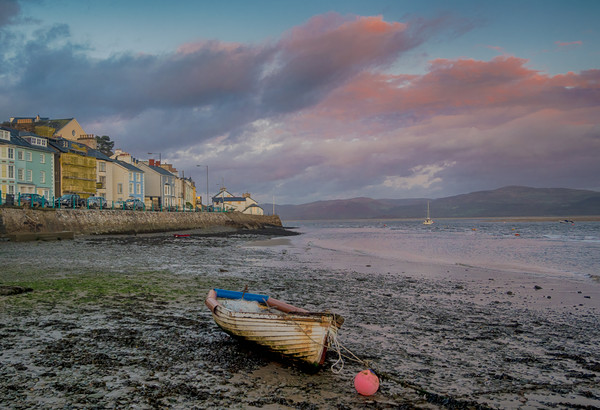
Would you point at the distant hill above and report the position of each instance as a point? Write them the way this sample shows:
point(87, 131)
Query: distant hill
point(509, 201)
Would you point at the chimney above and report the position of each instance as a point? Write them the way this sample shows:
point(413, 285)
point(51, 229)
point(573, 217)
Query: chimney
point(151, 162)
point(246, 195)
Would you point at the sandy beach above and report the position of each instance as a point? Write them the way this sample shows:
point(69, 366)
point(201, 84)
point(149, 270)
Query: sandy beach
point(92, 336)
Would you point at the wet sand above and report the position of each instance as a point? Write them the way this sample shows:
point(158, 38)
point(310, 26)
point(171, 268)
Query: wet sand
point(439, 336)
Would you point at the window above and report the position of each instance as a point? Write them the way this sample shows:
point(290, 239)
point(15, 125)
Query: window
point(29, 175)
point(11, 189)
point(11, 153)
point(11, 171)
point(138, 189)
point(137, 176)
point(42, 158)
point(21, 174)
point(42, 142)
point(5, 135)
point(102, 166)
point(130, 176)
point(21, 155)
point(29, 156)
point(43, 177)
point(119, 188)
point(130, 188)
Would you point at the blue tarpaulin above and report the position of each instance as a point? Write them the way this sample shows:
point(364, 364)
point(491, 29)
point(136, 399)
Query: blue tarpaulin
point(232, 294)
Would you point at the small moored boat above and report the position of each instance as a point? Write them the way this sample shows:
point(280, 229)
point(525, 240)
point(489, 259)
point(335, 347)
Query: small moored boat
point(428, 220)
point(284, 329)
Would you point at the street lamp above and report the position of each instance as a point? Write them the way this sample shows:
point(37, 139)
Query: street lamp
point(206, 185)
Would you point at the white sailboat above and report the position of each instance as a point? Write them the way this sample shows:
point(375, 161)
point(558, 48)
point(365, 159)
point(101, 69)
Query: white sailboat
point(428, 220)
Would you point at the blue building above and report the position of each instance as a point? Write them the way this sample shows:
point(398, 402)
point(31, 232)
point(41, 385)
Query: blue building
point(27, 164)
point(135, 180)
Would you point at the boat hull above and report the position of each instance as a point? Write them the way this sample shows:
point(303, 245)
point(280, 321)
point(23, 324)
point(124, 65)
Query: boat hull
point(297, 334)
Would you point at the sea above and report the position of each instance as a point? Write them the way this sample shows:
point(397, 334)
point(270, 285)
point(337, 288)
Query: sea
point(541, 248)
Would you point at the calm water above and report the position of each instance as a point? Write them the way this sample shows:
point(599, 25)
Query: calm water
point(539, 248)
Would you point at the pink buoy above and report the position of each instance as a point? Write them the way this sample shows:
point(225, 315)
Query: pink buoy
point(366, 383)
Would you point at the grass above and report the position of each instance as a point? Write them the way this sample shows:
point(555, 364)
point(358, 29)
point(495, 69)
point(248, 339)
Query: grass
point(93, 287)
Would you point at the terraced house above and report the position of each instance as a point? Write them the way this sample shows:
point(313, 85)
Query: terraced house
point(131, 177)
point(27, 164)
point(159, 185)
point(54, 157)
point(77, 168)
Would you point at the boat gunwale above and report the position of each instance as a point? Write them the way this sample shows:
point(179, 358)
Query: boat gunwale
point(212, 302)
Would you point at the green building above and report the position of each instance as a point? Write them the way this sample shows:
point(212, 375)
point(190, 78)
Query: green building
point(27, 164)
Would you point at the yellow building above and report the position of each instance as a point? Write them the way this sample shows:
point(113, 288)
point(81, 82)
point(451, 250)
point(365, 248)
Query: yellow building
point(77, 169)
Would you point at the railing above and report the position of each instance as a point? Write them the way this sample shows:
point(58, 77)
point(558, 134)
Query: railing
point(27, 200)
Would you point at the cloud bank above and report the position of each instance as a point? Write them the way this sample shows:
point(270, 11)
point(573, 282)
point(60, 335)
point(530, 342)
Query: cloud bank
point(320, 112)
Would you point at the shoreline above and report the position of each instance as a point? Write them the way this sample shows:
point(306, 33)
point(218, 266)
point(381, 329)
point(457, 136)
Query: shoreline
point(531, 290)
point(557, 219)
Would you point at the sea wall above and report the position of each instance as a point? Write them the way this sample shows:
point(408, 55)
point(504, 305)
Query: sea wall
point(87, 221)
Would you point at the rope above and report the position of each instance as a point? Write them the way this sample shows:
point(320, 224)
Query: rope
point(333, 340)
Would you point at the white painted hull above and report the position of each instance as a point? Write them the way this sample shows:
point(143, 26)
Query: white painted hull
point(299, 335)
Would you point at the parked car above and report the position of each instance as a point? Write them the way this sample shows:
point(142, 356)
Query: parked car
point(33, 200)
point(119, 204)
point(70, 201)
point(96, 202)
point(134, 204)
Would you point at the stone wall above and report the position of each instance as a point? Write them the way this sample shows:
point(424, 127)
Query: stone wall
point(87, 221)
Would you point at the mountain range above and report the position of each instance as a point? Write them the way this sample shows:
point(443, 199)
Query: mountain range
point(511, 201)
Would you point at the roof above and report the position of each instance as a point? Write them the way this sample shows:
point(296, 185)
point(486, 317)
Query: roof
point(57, 144)
point(99, 155)
point(16, 138)
point(160, 170)
point(128, 166)
point(65, 145)
point(33, 119)
point(218, 198)
point(56, 124)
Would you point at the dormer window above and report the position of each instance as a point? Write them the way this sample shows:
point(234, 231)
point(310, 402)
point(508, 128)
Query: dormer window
point(4, 135)
point(41, 142)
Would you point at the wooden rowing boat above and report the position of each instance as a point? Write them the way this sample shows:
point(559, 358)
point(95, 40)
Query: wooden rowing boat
point(284, 329)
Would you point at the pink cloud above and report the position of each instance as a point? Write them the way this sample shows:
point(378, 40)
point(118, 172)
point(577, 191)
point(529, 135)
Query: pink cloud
point(568, 43)
point(453, 86)
point(473, 114)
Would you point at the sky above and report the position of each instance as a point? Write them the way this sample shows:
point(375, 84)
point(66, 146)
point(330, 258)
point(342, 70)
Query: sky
point(302, 101)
